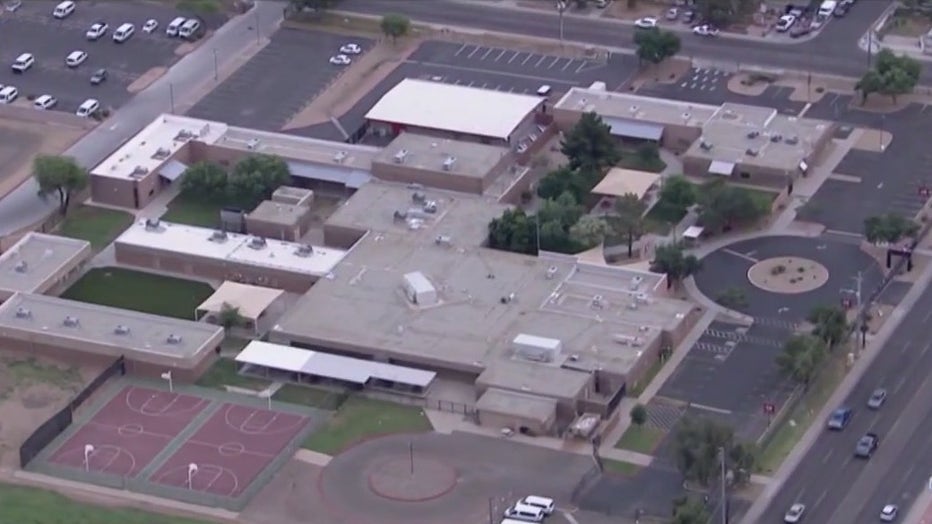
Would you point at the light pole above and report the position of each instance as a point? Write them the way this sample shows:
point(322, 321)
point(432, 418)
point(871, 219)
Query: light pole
point(168, 374)
point(724, 500)
point(171, 97)
point(561, 7)
point(192, 470)
point(258, 32)
point(216, 73)
point(88, 451)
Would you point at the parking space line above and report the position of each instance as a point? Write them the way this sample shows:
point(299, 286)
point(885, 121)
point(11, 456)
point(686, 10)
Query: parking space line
point(542, 58)
point(474, 51)
point(487, 53)
point(460, 50)
point(567, 65)
point(512, 59)
point(471, 84)
point(529, 55)
point(555, 60)
point(500, 55)
point(551, 80)
point(484, 85)
point(581, 66)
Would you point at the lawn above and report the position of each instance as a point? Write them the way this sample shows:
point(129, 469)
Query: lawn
point(630, 159)
point(23, 505)
point(787, 435)
point(620, 468)
point(223, 373)
point(309, 396)
point(642, 439)
point(642, 384)
point(138, 291)
point(360, 418)
point(194, 212)
point(97, 225)
point(661, 218)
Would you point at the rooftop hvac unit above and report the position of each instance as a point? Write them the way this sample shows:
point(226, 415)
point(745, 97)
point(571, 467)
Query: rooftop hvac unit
point(776, 138)
point(443, 240)
point(418, 198)
point(400, 156)
point(398, 216)
point(635, 282)
point(418, 289)
point(120, 329)
point(339, 157)
point(430, 206)
point(705, 146)
point(218, 237)
point(173, 339)
point(686, 117)
point(184, 135)
point(304, 251)
point(22, 312)
point(751, 152)
point(448, 163)
point(538, 349)
point(162, 153)
point(252, 144)
point(643, 329)
point(551, 272)
point(793, 140)
point(140, 171)
point(633, 109)
point(21, 267)
point(257, 243)
point(153, 224)
point(71, 321)
point(633, 306)
point(753, 134)
point(598, 302)
point(642, 298)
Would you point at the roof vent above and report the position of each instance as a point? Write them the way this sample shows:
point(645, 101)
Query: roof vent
point(304, 251)
point(256, 243)
point(686, 117)
point(448, 163)
point(705, 146)
point(400, 156)
point(793, 140)
point(753, 134)
point(776, 138)
point(418, 197)
point(400, 216)
point(139, 171)
point(71, 321)
point(643, 329)
point(120, 329)
point(430, 206)
point(551, 272)
point(173, 339)
point(22, 312)
point(635, 282)
point(339, 157)
point(153, 224)
point(728, 114)
point(218, 237)
point(633, 109)
point(21, 266)
point(162, 153)
point(598, 302)
point(751, 152)
point(444, 240)
point(184, 135)
point(252, 144)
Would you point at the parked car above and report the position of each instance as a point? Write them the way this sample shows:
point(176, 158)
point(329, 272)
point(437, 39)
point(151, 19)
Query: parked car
point(88, 108)
point(150, 25)
point(75, 58)
point(175, 25)
point(795, 513)
point(800, 31)
point(672, 14)
point(648, 22)
point(97, 30)
point(785, 23)
point(99, 76)
point(705, 30)
point(45, 102)
point(350, 49)
point(340, 60)
point(23, 62)
point(877, 398)
point(8, 94)
point(688, 17)
point(841, 10)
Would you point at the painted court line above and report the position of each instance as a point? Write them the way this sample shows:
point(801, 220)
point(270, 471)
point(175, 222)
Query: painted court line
point(245, 451)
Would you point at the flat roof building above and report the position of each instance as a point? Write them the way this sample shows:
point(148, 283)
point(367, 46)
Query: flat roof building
point(38, 324)
point(41, 264)
point(429, 107)
point(440, 162)
point(271, 219)
point(214, 254)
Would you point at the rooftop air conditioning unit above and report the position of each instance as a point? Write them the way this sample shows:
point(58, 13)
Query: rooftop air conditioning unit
point(153, 224)
point(140, 171)
point(751, 152)
point(218, 237)
point(400, 216)
point(71, 321)
point(400, 156)
point(705, 146)
point(686, 117)
point(448, 163)
point(21, 267)
point(305, 251)
point(430, 206)
point(185, 135)
point(598, 302)
point(252, 144)
point(22, 312)
point(753, 134)
point(552, 272)
point(161, 153)
point(443, 240)
point(257, 243)
point(776, 138)
point(635, 282)
point(173, 339)
point(418, 197)
point(120, 329)
point(633, 109)
point(339, 157)
point(643, 329)
point(793, 140)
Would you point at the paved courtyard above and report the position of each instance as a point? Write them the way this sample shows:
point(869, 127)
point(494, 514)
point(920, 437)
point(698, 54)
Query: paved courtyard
point(31, 29)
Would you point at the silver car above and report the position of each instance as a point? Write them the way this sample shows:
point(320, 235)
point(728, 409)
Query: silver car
point(877, 398)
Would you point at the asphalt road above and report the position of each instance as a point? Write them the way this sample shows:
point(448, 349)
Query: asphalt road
point(840, 489)
point(835, 50)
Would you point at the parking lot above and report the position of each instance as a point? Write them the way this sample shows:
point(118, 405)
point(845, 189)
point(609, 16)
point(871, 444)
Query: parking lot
point(710, 86)
point(278, 82)
point(32, 29)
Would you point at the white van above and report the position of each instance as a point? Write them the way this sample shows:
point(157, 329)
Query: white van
point(526, 513)
point(175, 25)
point(827, 8)
point(23, 63)
point(123, 33)
point(8, 94)
point(544, 503)
point(189, 28)
point(88, 108)
point(63, 10)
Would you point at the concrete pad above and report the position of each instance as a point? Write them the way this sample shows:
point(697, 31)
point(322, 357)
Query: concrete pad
point(788, 275)
point(739, 84)
point(873, 140)
point(146, 79)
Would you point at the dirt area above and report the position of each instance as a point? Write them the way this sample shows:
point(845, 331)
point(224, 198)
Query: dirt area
point(286, 498)
point(666, 72)
point(744, 84)
point(619, 9)
point(32, 390)
point(20, 141)
point(146, 79)
point(873, 140)
point(788, 275)
point(903, 23)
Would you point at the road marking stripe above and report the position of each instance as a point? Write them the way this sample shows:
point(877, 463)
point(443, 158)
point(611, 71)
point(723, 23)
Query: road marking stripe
point(580, 68)
point(542, 58)
point(487, 53)
point(710, 408)
point(460, 50)
point(555, 60)
point(567, 65)
point(474, 51)
point(512, 59)
point(500, 55)
point(529, 55)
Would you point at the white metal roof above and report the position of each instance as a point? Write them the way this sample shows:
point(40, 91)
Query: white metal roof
point(453, 108)
point(357, 371)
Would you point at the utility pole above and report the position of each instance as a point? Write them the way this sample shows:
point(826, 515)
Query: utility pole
point(857, 290)
point(870, 46)
point(724, 495)
point(561, 7)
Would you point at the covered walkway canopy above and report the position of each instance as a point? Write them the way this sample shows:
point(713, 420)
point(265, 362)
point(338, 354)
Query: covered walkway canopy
point(636, 129)
point(620, 182)
point(305, 363)
point(251, 301)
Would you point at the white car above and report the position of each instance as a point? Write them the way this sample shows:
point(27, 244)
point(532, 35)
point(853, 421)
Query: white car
point(340, 60)
point(648, 22)
point(795, 514)
point(785, 23)
point(350, 49)
point(150, 25)
point(75, 59)
point(88, 108)
point(888, 513)
point(705, 30)
point(23, 63)
point(45, 102)
point(97, 30)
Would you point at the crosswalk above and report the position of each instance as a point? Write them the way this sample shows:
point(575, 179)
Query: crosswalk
point(776, 322)
point(714, 348)
point(664, 415)
point(742, 337)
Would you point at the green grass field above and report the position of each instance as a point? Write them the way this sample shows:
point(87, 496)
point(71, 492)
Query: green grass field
point(201, 213)
point(620, 468)
point(21, 505)
point(138, 291)
point(642, 439)
point(223, 373)
point(360, 418)
point(97, 225)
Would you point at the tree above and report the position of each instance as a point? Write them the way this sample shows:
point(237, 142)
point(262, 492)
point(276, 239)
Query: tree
point(672, 261)
point(556, 217)
point(830, 324)
point(892, 75)
point(656, 45)
point(229, 317)
point(628, 220)
point(690, 511)
point(255, 177)
point(698, 447)
point(724, 12)
point(565, 180)
point(725, 206)
point(589, 231)
point(870, 83)
point(590, 146)
point(312, 5)
point(205, 180)
point(801, 358)
point(889, 228)
point(60, 175)
point(395, 26)
point(513, 231)
point(638, 415)
point(677, 192)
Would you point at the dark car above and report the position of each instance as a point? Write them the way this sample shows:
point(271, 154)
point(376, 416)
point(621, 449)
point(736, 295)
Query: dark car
point(800, 30)
point(841, 10)
point(840, 418)
point(99, 76)
point(866, 445)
